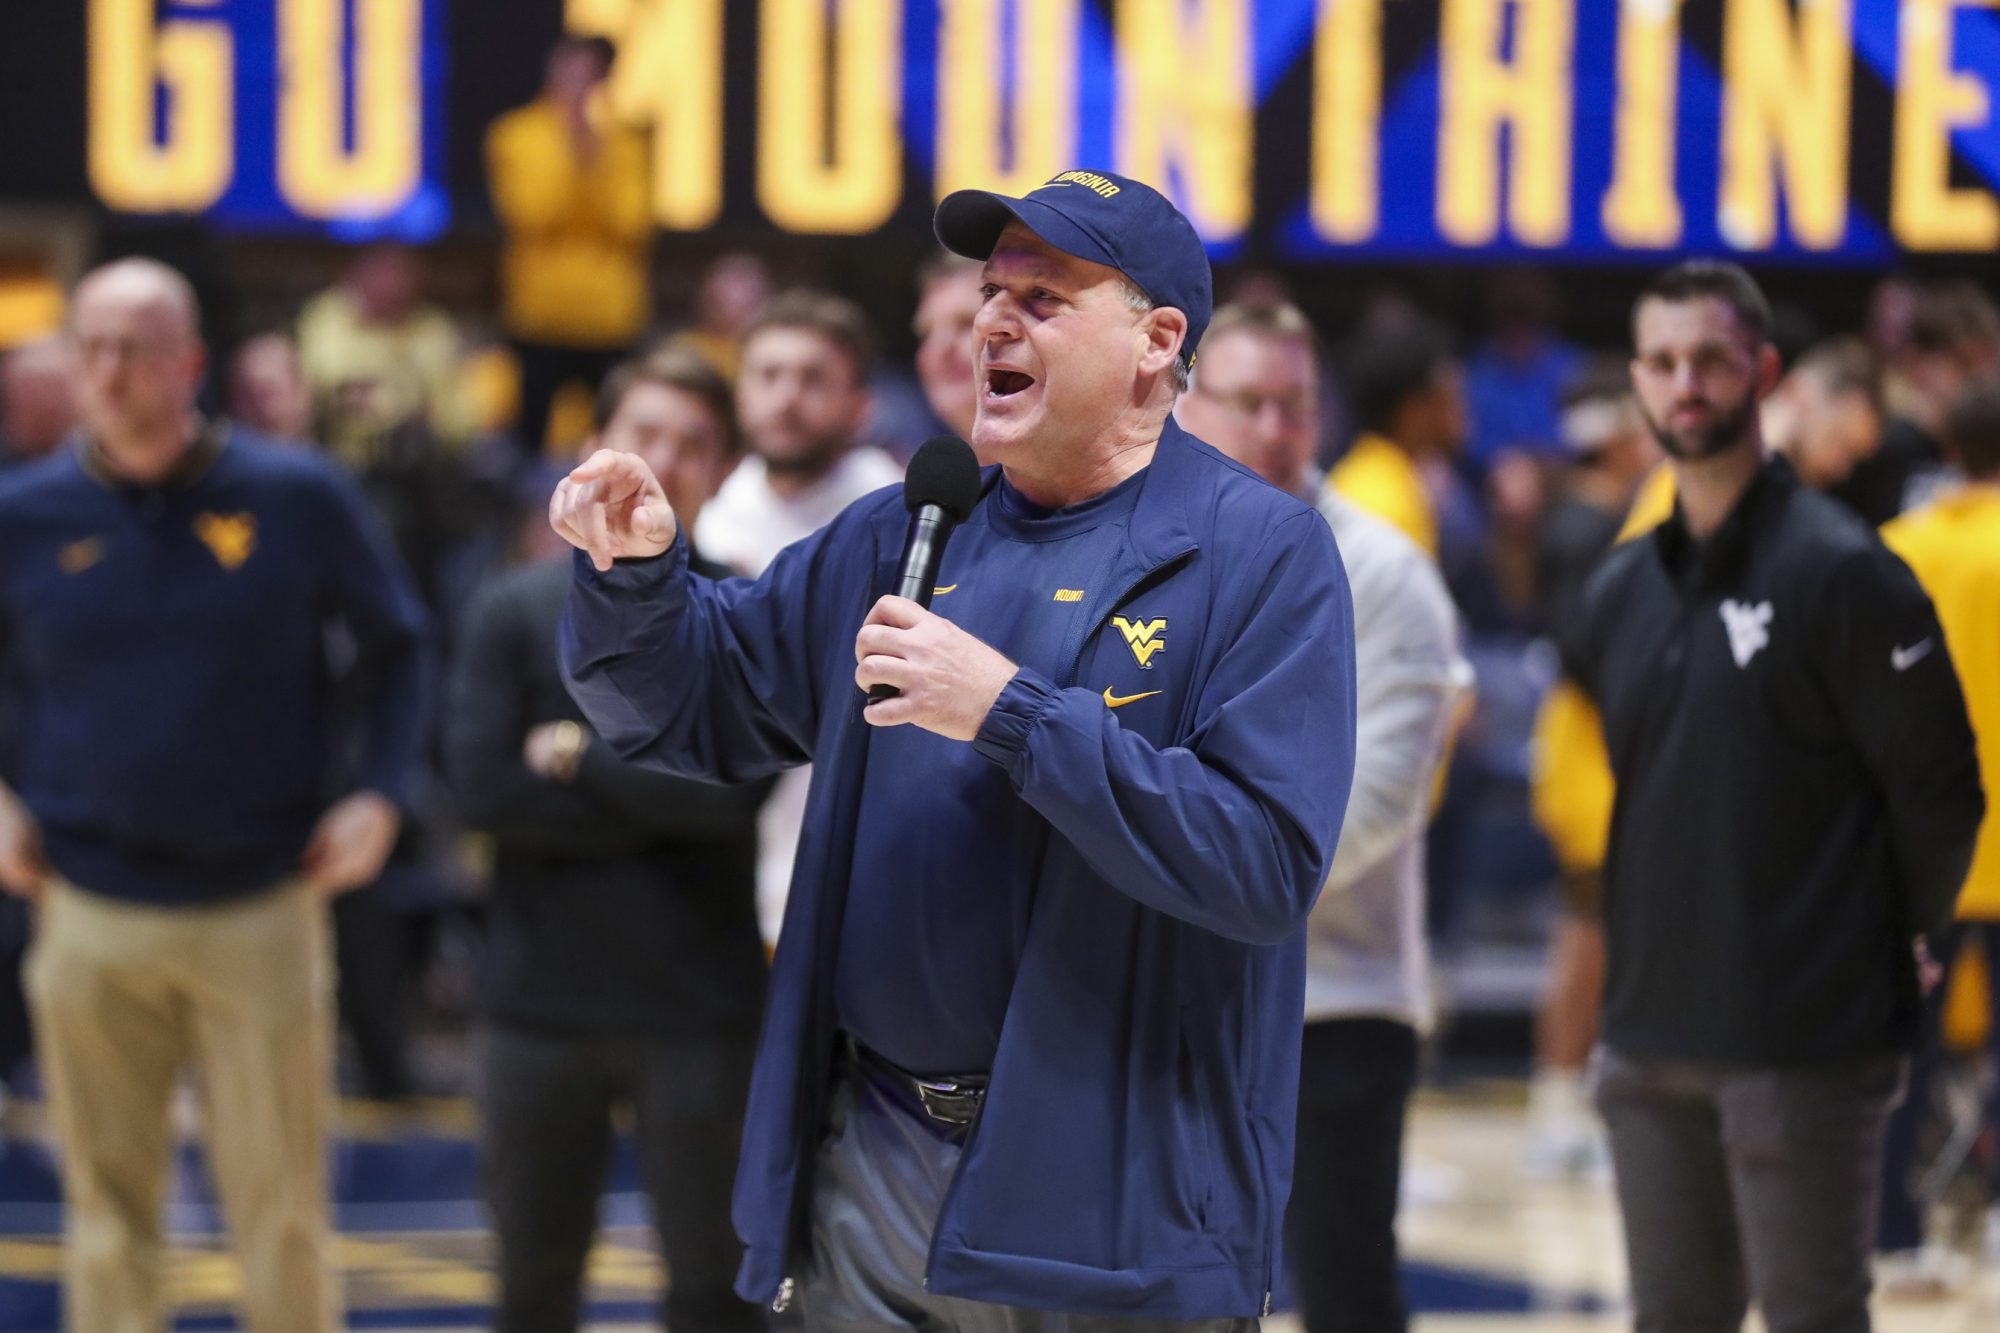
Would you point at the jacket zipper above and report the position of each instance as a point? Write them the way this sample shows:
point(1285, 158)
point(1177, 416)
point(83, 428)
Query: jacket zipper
point(783, 1300)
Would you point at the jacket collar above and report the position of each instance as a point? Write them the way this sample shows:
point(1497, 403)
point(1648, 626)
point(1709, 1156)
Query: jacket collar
point(1159, 529)
point(211, 435)
point(1697, 565)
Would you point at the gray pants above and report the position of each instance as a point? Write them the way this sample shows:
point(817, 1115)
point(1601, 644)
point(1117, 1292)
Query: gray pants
point(881, 1178)
point(1737, 1182)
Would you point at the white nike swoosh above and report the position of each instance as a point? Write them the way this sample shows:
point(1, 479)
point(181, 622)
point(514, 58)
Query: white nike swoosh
point(1904, 658)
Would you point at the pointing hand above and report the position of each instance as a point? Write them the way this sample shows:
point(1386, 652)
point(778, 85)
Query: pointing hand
point(612, 507)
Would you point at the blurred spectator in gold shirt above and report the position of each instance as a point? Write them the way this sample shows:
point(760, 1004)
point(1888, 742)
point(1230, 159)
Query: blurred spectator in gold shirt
point(382, 367)
point(570, 187)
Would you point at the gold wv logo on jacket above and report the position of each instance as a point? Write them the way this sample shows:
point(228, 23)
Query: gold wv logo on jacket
point(1143, 637)
point(229, 537)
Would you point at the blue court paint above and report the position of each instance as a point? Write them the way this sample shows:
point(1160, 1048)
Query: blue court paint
point(411, 1225)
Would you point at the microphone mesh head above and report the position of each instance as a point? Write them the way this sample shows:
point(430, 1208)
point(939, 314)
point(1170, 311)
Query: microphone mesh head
point(944, 473)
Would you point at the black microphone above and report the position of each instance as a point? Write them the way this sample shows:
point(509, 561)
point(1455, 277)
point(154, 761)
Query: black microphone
point(940, 490)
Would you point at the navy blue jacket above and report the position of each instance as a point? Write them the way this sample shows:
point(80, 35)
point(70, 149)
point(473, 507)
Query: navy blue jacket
point(170, 643)
point(1135, 1151)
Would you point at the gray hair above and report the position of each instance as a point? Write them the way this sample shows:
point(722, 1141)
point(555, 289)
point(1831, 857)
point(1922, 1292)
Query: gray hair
point(1141, 304)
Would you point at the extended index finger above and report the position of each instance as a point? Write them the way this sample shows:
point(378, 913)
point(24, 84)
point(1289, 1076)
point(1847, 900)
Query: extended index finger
point(604, 463)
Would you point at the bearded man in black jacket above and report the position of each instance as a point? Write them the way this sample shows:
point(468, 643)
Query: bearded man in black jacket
point(624, 964)
point(1797, 801)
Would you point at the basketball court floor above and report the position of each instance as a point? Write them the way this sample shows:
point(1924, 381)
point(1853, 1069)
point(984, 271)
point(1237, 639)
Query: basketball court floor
point(1486, 1251)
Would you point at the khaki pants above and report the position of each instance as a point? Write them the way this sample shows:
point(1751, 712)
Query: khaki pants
point(123, 997)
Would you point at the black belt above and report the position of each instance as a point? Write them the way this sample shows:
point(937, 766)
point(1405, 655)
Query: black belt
point(949, 1099)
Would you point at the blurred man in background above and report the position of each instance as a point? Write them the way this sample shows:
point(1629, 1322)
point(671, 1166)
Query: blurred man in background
point(1408, 398)
point(802, 398)
point(389, 402)
point(372, 937)
point(1953, 546)
point(37, 417)
point(1790, 745)
point(949, 294)
point(1826, 417)
point(1255, 396)
point(1516, 377)
point(168, 588)
point(1612, 452)
point(382, 366)
point(37, 399)
point(267, 390)
point(569, 183)
point(1952, 339)
point(623, 962)
point(732, 290)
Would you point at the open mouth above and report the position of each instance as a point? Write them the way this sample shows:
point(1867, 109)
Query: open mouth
point(1007, 383)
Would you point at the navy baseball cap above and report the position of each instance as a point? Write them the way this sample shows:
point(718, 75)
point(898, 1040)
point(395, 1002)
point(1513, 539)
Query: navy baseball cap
point(1110, 220)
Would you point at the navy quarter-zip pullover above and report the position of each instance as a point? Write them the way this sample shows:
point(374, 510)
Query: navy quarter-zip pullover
point(945, 853)
point(170, 645)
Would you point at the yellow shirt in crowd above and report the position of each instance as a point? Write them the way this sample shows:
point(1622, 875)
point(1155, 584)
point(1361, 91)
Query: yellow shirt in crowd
point(1383, 480)
point(369, 380)
point(1570, 789)
point(1953, 547)
point(579, 235)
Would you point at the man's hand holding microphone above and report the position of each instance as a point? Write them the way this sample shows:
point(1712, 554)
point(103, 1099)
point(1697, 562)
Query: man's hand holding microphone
point(942, 679)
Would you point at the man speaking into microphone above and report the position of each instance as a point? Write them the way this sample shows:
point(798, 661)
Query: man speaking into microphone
point(1030, 1059)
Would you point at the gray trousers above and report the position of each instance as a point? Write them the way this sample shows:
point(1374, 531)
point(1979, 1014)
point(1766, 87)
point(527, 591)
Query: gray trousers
point(881, 1177)
point(1742, 1182)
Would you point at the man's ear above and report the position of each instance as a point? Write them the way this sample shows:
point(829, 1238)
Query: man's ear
point(1770, 370)
point(1166, 329)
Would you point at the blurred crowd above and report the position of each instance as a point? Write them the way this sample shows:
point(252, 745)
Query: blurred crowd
point(1513, 457)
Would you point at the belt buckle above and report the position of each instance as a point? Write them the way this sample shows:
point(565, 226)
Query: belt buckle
point(952, 1103)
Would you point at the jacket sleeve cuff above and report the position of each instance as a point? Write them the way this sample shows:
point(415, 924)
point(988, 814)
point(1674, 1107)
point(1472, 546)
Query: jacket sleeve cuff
point(633, 575)
point(1004, 734)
